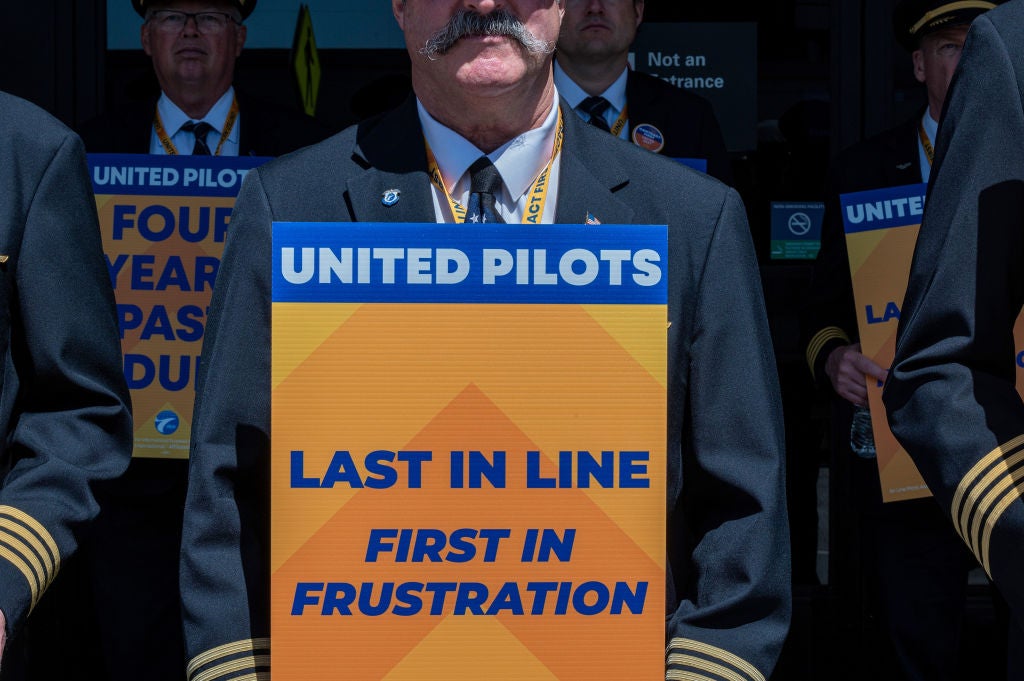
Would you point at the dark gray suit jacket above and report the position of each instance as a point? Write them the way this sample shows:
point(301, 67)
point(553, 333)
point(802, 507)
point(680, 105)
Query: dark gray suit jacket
point(64, 405)
point(951, 397)
point(728, 596)
point(686, 120)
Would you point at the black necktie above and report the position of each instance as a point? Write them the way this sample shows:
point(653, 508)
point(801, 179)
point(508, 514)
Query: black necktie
point(595, 108)
point(200, 130)
point(484, 184)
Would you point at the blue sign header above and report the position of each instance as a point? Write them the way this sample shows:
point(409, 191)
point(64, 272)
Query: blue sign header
point(431, 263)
point(883, 208)
point(152, 175)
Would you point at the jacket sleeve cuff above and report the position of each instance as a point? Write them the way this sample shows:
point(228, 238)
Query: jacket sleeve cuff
point(985, 493)
point(29, 561)
point(247, 659)
point(689, 660)
point(820, 346)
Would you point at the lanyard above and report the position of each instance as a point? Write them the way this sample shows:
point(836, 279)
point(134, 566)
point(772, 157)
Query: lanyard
point(168, 145)
point(929, 151)
point(621, 122)
point(538, 193)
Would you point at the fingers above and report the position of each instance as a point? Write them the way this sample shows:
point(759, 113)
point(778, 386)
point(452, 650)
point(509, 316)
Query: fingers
point(849, 371)
point(866, 367)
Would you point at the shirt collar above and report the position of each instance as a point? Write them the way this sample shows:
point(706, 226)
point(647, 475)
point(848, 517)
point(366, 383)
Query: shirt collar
point(574, 94)
point(519, 161)
point(173, 117)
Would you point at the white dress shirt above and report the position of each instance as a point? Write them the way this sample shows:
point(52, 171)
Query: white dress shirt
point(173, 118)
point(615, 94)
point(519, 161)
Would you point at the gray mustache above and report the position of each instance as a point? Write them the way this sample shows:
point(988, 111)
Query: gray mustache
point(467, 23)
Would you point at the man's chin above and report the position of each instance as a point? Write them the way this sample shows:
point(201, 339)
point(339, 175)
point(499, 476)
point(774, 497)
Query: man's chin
point(191, 71)
point(491, 74)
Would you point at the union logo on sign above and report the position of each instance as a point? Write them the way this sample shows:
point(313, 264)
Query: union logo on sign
point(166, 422)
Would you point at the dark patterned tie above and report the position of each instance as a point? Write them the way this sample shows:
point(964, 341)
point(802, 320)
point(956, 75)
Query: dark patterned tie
point(595, 108)
point(200, 130)
point(484, 184)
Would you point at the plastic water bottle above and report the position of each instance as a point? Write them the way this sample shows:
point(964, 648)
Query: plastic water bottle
point(862, 437)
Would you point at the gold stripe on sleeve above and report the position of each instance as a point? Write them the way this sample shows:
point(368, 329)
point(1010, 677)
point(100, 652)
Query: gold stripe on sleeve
point(36, 527)
point(967, 494)
point(722, 655)
point(1000, 472)
point(818, 342)
point(240, 664)
point(227, 650)
point(27, 545)
point(680, 675)
point(704, 665)
point(16, 560)
point(17, 543)
point(993, 518)
point(35, 553)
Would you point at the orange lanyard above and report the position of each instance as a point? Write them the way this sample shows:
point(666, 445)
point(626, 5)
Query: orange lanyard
point(929, 151)
point(538, 190)
point(168, 145)
point(621, 122)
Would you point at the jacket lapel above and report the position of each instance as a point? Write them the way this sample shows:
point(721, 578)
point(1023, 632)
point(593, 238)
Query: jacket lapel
point(590, 174)
point(395, 186)
point(902, 158)
point(381, 196)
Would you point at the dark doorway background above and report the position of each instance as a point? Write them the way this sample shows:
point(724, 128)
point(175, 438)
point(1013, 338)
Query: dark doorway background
point(829, 74)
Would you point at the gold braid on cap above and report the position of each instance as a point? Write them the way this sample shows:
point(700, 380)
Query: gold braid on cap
point(951, 7)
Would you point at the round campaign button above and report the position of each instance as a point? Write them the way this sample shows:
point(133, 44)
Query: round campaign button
point(649, 137)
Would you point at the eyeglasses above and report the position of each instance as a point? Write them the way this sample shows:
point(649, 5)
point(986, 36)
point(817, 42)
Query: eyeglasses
point(207, 23)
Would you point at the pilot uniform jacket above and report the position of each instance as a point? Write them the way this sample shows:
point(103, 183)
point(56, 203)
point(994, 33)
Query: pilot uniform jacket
point(829, 319)
point(64, 405)
point(138, 538)
point(950, 398)
point(728, 600)
point(267, 128)
point(686, 121)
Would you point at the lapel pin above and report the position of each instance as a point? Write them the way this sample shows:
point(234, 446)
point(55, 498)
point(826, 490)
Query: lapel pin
point(4, 259)
point(591, 220)
point(902, 166)
point(649, 137)
point(390, 197)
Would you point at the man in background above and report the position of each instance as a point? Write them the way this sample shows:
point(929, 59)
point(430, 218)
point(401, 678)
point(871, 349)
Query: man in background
point(951, 397)
point(193, 46)
point(915, 566)
point(592, 73)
